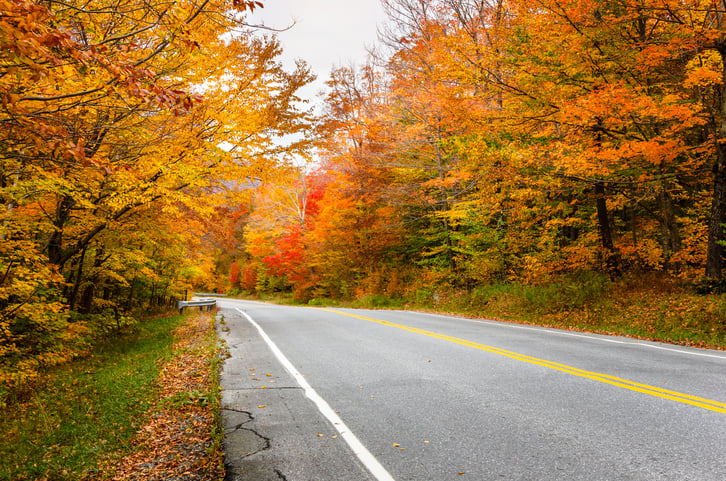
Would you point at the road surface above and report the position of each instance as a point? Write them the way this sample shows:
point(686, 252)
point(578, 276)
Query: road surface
point(344, 394)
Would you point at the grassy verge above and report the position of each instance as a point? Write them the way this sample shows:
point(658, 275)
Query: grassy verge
point(656, 310)
point(183, 438)
point(89, 413)
point(648, 307)
point(86, 409)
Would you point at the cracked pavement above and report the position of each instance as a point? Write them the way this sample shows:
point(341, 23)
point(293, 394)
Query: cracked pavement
point(272, 431)
point(435, 397)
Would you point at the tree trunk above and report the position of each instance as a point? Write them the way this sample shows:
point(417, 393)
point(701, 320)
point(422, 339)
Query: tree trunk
point(714, 253)
point(606, 236)
point(445, 207)
point(603, 219)
point(634, 223)
point(670, 236)
point(77, 281)
point(55, 243)
point(130, 298)
point(89, 293)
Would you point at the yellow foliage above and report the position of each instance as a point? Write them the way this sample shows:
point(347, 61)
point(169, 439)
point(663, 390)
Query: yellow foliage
point(704, 70)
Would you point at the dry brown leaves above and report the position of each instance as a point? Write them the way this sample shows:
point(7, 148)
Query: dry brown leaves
point(177, 443)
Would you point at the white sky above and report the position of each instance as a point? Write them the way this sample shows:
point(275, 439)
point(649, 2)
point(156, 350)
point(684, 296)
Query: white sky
point(327, 33)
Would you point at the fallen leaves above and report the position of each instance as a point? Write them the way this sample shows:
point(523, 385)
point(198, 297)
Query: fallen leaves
point(177, 442)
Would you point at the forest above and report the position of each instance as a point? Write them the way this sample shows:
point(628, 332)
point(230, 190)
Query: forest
point(154, 148)
point(494, 141)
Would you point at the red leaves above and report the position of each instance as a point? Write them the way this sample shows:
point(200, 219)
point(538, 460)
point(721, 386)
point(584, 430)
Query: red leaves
point(249, 278)
point(289, 255)
point(234, 274)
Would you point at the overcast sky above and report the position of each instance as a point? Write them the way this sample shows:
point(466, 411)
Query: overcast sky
point(327, 33)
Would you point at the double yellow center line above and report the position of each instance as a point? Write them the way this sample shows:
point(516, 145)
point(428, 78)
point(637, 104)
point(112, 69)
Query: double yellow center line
point(604, 378)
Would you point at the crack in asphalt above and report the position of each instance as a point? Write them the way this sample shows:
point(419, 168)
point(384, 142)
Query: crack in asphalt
point(240, 427)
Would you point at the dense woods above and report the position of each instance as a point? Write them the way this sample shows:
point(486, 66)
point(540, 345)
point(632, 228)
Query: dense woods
point(509, 141)
point(150, 148)
point(126, 126)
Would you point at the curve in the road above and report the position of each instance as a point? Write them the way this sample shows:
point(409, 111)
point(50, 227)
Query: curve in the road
point(604, 378)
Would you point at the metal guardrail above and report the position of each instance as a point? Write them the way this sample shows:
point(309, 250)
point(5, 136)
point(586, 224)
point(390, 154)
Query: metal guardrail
point(208, 294)
point(201, 303)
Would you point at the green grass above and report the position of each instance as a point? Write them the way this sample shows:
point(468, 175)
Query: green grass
point(214, 353)
point(87, 409)
point(283, 298)
point(653, 306)
point(377, 301)
point(646, 308)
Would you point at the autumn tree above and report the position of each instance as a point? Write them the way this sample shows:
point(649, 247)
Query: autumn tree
point(113, 118)
point(447, 109)
point(584, 95)
point(504, 140)
point(283, 213)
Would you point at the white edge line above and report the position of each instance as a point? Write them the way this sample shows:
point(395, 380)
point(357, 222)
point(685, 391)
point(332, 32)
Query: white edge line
point(528, 328)
point(723, 358)
point(365, 456)
point(561, 333)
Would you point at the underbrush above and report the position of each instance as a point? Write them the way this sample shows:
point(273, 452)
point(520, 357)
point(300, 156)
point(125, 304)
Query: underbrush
point(378, 301)
point(87, 408)
point(653, 307)
point(31, 347)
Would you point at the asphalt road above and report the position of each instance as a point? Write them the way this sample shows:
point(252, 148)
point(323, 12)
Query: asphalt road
point(430, 397)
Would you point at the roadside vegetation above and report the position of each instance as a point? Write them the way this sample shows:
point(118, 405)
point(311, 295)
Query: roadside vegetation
point(651, 307)
point(110, 166)
point(493, 159)
point(146, 404)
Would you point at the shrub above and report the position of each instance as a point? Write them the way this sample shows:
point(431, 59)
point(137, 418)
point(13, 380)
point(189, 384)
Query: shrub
point(570, 292)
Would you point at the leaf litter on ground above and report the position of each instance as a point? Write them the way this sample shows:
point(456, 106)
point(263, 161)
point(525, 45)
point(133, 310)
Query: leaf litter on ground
point(181, 439)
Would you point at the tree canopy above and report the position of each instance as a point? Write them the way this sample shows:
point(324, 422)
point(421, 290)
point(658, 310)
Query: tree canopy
point(492, 140)
point(125, 127)
point(153, 147)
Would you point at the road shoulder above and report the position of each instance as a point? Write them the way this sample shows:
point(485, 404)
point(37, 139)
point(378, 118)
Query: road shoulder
point(272, 430)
